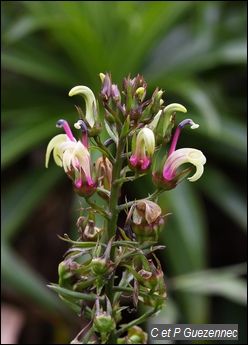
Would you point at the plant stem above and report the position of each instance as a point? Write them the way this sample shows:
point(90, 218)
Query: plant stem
point(135, 322)
point(99, 209)
point(131, 203)
point(104, 148)
point(104, 191)
point(115, 190)
point(112, 222)
point(128, 178)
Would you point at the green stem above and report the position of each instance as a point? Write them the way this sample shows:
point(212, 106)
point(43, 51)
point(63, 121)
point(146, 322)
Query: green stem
point(131, 203)
point(82, 296)
point(112, 222)
point(104, 191)
point(135, 322)
point(99, 209)
point(128, 178)
point(104, 148)
point(87, 336)
point(115, 190)
point(128, 290)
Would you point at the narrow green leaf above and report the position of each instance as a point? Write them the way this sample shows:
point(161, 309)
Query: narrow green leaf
point(19, 278)
point(23, 196)
point(17, 141)
point(229, 200)
point(222, 282)
point(70, 293)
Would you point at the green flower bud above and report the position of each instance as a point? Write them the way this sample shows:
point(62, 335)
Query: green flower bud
point(135, 336)
point(141, 93)
point(163, 122)
point(99, 266)
point(104, 323)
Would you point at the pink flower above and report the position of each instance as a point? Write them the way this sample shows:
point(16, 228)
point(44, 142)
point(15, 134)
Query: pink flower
point(170, 174)
point(74, 157)
point(143, 149)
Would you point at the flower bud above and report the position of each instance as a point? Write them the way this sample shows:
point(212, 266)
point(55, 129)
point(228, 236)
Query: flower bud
point(115, 93)
point(88, 230)
point(104, 323)
point(104, 172)
point(106, 90)
point(135, 335)
point(153, 106)
point(146, 220)
point(163, 122)
point(154, 278)
point(143, 149)
point(99, 266)
point(134, 91)
point(141, 93)
point(66, 270)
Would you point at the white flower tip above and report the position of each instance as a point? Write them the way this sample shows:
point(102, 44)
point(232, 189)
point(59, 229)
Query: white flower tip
point(76, 90)
point(147, 135)
point(171, 108)
point(198, 159)
point(194, 126)
point(77, 125)
point(81, 90)
point(102, 76)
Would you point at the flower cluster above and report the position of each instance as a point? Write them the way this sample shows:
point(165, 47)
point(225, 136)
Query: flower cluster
point(112, 267)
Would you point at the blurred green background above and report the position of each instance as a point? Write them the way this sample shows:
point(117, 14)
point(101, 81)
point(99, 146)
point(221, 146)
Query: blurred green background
point(196, 52)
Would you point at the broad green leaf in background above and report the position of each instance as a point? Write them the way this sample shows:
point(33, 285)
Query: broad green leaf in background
point(229, 200)
point(17, 276)
point(22, 198)
point(224, 282)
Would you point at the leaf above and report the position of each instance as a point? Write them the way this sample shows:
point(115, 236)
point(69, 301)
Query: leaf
point(186, 230)
point(70, 293)
point(23, 196)
point(229, 199)
point(31, 62)
point(19, 278)
point(222, 282)
point(17, 141)
point(113, 135)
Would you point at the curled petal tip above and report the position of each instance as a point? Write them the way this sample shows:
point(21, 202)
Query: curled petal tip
point(175, 107)
point(60, 123)
point(90, 102)
point(194, 126)
point(77, 125)
point(102, 76)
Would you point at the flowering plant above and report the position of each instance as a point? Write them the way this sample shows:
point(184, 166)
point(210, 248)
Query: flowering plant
point(113, 267)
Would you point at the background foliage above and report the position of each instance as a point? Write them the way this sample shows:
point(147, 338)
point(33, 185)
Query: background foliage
point(196, 52)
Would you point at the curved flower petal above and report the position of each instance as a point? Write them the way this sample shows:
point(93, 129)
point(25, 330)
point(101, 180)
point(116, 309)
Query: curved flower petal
point(146, 137)
point(182, 156)
point(143, 149)
point(54, 145)
point(90, 102)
